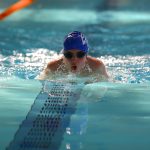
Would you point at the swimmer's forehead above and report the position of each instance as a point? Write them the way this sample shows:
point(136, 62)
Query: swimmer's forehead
point(74, 50)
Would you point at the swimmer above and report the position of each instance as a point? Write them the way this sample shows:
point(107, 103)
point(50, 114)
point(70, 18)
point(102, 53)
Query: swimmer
point(75, 59)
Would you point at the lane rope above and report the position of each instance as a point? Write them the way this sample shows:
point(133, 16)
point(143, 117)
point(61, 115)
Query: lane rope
point(15, 7)
point(49, 117)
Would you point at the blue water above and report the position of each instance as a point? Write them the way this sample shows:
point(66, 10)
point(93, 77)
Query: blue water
point(118, 114)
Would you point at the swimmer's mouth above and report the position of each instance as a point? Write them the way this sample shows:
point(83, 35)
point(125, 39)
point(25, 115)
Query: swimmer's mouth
point(73, 68)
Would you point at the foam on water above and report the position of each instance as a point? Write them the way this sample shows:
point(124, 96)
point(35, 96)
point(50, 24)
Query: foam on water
point(123, 69)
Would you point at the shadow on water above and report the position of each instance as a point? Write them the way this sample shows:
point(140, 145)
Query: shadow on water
point(50, 4)
point(99, 5)
point(133, 5)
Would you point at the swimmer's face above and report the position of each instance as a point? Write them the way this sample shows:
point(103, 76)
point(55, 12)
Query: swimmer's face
point(74, 60)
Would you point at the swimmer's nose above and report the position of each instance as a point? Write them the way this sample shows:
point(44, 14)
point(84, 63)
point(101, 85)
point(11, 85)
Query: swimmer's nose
point(74, 59)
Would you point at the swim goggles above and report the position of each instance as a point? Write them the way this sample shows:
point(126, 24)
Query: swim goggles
point(70, 55)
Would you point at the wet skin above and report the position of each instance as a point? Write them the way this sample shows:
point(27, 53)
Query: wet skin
point(75, 64)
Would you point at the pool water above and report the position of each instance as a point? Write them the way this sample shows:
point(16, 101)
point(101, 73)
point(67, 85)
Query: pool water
point(117, 114)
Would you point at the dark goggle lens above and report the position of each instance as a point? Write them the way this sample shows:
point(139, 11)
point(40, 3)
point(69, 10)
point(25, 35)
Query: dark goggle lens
point(81, 54)
point(69, 55)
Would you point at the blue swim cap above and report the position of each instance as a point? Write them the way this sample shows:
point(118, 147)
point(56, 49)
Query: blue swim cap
point(75, 40)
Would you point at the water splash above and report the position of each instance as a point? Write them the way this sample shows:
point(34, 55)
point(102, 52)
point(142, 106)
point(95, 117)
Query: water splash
point(26, 66)
point(128, 69)
point(122, 69)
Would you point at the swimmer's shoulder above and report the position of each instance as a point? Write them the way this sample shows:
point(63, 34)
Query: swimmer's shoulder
point(97, 66)
point(54, 64)
point(94, 63)
point(51, 67)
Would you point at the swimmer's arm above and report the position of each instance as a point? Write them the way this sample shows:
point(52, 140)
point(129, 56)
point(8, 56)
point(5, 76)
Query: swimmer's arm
point(102, 70)
point(48, 71)
point(45, 74)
